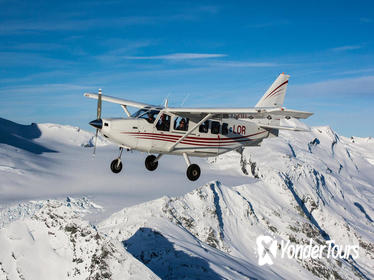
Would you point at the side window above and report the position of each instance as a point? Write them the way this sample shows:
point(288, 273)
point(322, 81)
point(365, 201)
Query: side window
point(215, 128)
point(203, 128)
point(225, 129)
point(181, 123)
point(163, 123)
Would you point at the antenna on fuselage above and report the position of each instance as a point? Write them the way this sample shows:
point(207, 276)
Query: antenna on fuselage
point(166, 101)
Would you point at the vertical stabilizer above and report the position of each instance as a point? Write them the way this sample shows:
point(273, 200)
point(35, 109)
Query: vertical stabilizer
point(274, 96)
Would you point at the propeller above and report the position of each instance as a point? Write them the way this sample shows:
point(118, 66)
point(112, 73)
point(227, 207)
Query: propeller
point(98, 123)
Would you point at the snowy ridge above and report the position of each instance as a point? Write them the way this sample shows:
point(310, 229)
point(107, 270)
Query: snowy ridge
point(69, 135)
point(325, 178)
point(9, 214)
point(188, 237)
point(33, 137)
point(222, 222)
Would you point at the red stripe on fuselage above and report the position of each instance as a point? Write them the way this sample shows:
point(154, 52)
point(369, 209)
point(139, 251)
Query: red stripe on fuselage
point(190, 138)
point(182, 142)
point(194, 143)
point(203, 143)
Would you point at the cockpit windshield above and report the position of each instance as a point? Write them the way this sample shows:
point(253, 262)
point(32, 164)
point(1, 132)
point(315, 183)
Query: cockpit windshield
point(149, 115)
point(138, 113)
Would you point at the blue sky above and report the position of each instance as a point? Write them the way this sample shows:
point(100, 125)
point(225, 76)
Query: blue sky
point(196, 53)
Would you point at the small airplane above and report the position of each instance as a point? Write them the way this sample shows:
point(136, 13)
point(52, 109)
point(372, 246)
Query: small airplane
point(200, 132)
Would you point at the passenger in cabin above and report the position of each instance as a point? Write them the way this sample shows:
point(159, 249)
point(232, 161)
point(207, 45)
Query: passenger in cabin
point(204, 127)
point(182, 125)
point(164, 123)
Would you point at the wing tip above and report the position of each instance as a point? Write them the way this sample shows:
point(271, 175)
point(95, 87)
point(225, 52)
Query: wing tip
point(89, 94)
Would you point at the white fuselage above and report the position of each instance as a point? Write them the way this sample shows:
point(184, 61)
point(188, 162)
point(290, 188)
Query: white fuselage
point(139, 134)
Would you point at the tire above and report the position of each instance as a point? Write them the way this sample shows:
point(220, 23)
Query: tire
point(193, 172)
point(150, 164)
point(115, 166)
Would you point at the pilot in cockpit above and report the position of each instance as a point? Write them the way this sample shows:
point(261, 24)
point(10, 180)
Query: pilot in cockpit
point(150, 117)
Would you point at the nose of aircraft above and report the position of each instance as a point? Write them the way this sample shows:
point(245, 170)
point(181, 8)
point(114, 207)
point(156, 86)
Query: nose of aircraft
point(98, 123)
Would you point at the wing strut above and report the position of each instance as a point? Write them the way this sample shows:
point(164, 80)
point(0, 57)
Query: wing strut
point(124, 107)
point(172, 148)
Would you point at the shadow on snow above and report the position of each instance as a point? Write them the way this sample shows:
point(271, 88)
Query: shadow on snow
point(158, 254)
point(21, 136)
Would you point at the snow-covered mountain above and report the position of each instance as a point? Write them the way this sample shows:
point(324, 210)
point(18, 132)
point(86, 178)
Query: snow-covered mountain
point(56, 243)
point(300, 186)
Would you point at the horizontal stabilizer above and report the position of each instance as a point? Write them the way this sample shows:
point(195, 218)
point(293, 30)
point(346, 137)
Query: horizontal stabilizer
point(284, 127)
point(290, 113)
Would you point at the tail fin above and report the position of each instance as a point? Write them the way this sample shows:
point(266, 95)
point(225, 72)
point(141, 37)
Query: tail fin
point(274, 96)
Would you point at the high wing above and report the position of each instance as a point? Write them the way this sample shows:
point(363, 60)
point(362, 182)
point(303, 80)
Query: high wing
point(241, 112)
point(120, 101)
point(198, 113)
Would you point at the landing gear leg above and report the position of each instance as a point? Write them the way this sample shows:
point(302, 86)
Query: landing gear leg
point(193, 170)
point(116, 165)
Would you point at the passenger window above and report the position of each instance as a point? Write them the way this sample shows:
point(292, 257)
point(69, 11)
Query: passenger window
point(225, 129)
point(163, 123)
point(181, 123)
point(203, 128)
point(215, 128)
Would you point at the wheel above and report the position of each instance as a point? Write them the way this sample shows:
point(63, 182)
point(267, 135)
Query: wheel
point(116, 166)
point(193, 172)
point(150, 163)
